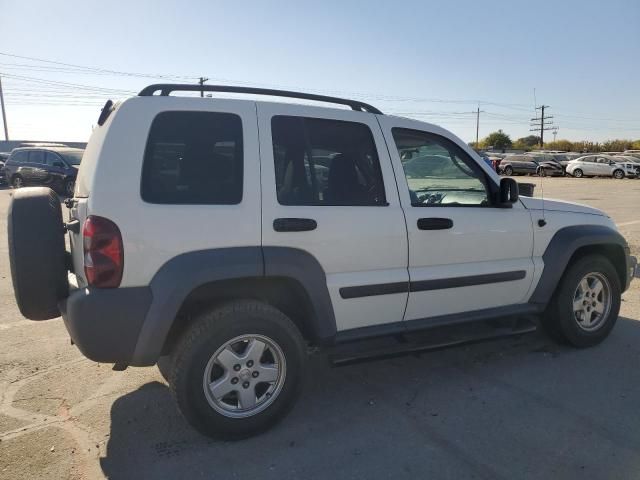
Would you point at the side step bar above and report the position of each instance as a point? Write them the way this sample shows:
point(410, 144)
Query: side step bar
point(427, 340)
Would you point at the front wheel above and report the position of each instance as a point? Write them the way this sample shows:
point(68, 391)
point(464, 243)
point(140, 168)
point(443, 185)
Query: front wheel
point(17, 181)
point(542, 172)
point(69, 185)
point(578, 173)
point(508, 170)
point(586, 303)
point(238, 369)
point(618, 174)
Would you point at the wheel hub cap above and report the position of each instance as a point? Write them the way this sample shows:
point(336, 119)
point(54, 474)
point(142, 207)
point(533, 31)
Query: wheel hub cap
point(592, 301)
point(244, 376)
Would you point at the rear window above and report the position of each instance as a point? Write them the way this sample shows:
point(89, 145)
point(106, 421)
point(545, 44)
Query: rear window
point(193, 158)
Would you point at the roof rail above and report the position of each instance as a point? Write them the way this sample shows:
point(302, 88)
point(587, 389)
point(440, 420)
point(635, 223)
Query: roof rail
point(166, 88)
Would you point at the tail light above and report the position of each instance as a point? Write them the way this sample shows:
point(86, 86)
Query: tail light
point(103, 253)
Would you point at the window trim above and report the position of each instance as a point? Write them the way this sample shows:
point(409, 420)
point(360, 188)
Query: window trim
point(490, 187)
point(308, 148)
point(242, 160)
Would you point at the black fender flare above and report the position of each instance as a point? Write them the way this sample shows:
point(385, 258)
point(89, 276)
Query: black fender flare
point(183, 274)
point(563, 246)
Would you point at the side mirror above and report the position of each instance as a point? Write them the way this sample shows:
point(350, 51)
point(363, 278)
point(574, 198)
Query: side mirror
point(508, 194)
point(611, 162)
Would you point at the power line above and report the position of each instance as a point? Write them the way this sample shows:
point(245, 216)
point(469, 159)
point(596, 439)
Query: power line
point(4, 113)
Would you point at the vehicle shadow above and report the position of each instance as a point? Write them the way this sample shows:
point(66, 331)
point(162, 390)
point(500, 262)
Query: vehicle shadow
point(520, 407)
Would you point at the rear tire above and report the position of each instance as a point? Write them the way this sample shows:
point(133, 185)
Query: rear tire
point(69, 185)
point(214, 356)
point(589, 285)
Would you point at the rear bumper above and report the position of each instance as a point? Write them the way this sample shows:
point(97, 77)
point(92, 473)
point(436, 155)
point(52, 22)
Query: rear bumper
point(105, 323)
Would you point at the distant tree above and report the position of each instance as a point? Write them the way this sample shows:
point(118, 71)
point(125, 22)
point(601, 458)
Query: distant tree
point(635, 145)
point(498, 140)
point(616, 145)
point(565, 145)
point(529, 141)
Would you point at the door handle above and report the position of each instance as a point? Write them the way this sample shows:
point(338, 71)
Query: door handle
point(294, 224)
point(434, 223)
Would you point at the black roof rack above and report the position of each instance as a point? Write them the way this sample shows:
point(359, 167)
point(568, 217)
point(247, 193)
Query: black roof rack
point(166, 88)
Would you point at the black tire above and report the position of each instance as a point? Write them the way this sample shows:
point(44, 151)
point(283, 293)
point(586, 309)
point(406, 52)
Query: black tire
point(37, 253)
point(164, 366)
point(559, 320)
point(68, 187)
point(508, 170)
point(542, 172)
point(618, 174)
point(577, 173)
point(17, 181)
point(210, 331)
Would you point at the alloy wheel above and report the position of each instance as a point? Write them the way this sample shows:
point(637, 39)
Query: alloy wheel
point(244, 376)
point(592, 301)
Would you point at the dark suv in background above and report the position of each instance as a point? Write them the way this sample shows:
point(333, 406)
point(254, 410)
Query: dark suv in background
point(55, 167)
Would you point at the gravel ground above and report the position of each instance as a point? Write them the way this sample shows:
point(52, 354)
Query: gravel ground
point(520, 407)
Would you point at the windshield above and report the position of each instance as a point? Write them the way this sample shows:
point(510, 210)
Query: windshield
point(73, 158)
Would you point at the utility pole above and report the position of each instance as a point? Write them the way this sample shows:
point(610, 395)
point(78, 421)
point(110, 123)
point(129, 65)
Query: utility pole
point(554, 130)
point(4, 113)
point(541, 126)
point(201, 82)
point(478, 126)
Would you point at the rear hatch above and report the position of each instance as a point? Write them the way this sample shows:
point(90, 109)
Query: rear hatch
point(79, 205)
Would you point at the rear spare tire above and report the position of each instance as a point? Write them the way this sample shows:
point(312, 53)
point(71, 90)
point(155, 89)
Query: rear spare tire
point(37, 252)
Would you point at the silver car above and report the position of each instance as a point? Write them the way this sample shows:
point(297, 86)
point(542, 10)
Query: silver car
point(600, 166)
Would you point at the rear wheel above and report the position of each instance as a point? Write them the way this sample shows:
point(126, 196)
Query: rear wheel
point(69, 185)
point(578, 173)
point(586, 303)
point(619, 174)
point(238, 369)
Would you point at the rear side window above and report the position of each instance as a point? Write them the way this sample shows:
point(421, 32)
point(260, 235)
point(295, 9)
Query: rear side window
point(36, 156)
point(325, 162)
point(193, 158)
point(19, 157)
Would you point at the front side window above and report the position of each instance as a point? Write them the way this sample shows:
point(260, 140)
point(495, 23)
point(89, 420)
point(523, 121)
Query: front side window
point(439, 172)
point(20, 156)
point(325, 162)
point(193, 158)
point(54, 160)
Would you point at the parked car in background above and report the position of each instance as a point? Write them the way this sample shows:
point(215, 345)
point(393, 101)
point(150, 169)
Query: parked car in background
point(529, 164)
point(634, 153)
point(600, 166)
point(3, 160)
point(629, 158)
point(55, 167)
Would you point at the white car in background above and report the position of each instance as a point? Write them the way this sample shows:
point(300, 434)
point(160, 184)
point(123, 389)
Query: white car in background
point(600, 166)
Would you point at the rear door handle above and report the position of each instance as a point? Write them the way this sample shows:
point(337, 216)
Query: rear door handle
point(294, 224)
point(434, 223)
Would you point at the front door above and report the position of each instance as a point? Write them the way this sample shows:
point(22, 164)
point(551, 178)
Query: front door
point(465, 255)
point(328, 189)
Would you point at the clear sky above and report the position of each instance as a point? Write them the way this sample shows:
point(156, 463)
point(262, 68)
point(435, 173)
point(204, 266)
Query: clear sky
point(429, 60)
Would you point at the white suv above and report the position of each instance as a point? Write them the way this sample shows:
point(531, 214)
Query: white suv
point(220, 238)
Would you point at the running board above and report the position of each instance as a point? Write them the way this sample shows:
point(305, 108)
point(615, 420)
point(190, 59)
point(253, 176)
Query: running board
point(433, 339)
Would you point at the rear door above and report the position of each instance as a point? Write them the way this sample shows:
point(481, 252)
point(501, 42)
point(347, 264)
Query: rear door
point(464, 254)
point(327, 171)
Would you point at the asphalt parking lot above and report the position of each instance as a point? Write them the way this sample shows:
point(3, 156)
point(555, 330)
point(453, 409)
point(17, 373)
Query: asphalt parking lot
point(520, 407)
